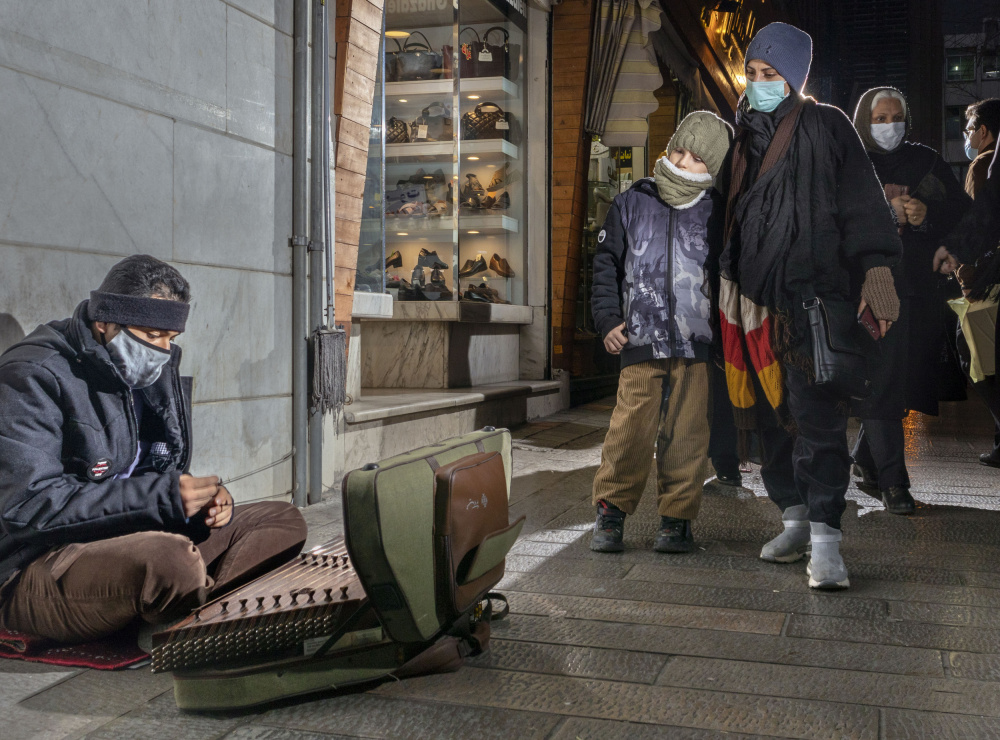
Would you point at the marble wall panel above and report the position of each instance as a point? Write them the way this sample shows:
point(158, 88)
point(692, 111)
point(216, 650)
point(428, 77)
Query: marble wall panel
point(404, 354)
point(482, 354)
point(534, 346)
point(175, 44)
point(277, 13)
point(42, 285)
point(232, 202)
point(236, 437)
point(259, 81)
point(238, 338)
point(81, 172)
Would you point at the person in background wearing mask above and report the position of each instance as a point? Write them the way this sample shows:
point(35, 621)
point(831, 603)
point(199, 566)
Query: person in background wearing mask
point(981, 133)
point(651, 305)
point(806, 219)
point(981, 130)
point(928, 202)
point(102, 524)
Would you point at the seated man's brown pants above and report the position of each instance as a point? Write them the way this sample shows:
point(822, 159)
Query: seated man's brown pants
point(85, 591)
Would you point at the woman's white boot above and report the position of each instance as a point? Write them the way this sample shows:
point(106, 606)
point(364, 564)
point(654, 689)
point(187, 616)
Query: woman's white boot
point(793, 543)
point(826, 568)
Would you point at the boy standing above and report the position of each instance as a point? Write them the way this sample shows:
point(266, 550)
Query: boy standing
point(651, 305)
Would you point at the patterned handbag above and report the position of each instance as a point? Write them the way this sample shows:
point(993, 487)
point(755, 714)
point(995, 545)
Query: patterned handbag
point(488, 121)
point(397, 132)
point(466, 55)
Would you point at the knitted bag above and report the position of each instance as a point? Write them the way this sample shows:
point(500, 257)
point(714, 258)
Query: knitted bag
point(487, 121)
point(397, 132)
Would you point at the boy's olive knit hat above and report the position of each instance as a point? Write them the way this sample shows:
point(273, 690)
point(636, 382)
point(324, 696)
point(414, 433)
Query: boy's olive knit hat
point(705, 134)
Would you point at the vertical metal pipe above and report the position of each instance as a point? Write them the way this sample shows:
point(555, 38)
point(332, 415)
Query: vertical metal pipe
point(317, 229)
point(300, 328)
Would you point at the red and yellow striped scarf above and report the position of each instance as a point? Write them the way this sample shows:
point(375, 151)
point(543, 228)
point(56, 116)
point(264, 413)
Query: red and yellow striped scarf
point(747, 343)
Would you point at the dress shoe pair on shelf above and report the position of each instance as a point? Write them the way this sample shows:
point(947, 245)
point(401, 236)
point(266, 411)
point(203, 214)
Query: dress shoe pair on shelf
point(482, 293)
point(498, 264)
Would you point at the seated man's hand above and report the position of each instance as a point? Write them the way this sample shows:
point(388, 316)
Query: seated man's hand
point(220, 509)
point(916, 211)
point(615, 340)
point(198, 492)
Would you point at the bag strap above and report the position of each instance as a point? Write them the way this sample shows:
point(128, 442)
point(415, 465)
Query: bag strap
point(479, 112)
point(501, 29)
point(496, 615)
point(399, 47)
point(468, 28)
point(780, 142)
point(414, 46)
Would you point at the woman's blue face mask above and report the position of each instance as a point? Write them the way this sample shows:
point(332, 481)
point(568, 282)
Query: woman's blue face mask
point(766, 96)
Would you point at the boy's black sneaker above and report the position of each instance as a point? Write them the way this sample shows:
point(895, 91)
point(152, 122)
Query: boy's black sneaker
point(674, 535)
point(609, 529)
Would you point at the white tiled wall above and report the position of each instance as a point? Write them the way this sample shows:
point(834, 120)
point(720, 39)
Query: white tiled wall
point(160, 127)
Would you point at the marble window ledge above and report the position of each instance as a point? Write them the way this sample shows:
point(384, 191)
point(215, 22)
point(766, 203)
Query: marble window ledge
point(379, 403)
point(462, 311)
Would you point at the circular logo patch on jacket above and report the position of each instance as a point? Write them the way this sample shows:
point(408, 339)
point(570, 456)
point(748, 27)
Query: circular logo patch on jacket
point(99, 470)
point(601, 236)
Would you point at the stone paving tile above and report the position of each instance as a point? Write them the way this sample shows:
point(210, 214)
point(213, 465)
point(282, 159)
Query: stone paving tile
point(606, 568)
point(709, 710)
point(160, 719)
point(376, 715)
point(952, 614)
point(947, 695)
point(721, 644)
point(907, 725)
point(909, 634)
point(842, 605)
point(20, 679)
point(569, 660)
point(576, 728)
point(972, 666)
point(262, 732)
point(645, 612)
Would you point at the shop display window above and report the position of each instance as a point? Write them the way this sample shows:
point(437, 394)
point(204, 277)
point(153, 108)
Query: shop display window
point(371, 260)
point(454, 132)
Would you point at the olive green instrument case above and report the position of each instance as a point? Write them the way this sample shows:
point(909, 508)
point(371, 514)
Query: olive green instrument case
point(395, 512)
point(427, 532)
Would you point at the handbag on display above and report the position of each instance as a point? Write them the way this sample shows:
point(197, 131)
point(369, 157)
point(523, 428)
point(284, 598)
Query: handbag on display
point(414, 61)
point(467, 52)
point(397, 132)
point(488, 121)
point(839, 362)
point(433, 124)
point(497, 60)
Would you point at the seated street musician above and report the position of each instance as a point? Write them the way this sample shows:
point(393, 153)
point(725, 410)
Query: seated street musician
point(100, 521)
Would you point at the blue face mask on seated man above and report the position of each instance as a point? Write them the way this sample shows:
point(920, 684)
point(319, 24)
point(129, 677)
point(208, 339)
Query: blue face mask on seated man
point(766, 96)
point(138, 362)
point(970, 151)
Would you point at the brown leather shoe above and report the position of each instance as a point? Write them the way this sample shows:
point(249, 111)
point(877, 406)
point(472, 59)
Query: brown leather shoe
point(501, 267)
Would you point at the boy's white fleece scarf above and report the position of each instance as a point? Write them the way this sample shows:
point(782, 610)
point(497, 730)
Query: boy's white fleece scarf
point(678, 188)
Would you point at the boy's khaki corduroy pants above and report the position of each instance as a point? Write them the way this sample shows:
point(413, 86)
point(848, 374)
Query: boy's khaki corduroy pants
point(662, 405)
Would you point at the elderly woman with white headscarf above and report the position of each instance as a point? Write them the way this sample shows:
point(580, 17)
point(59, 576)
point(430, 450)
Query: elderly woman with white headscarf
point(928, 202)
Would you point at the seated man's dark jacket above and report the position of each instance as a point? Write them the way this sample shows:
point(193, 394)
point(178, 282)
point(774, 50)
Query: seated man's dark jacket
point(64, 412)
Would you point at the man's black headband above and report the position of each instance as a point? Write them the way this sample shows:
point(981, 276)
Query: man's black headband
point(127, 310)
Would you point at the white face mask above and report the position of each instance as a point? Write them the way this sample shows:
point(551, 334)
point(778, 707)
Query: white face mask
point(888, 135)
point(139, 363)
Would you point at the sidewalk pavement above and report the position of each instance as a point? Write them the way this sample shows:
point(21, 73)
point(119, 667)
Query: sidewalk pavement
point(641, 645)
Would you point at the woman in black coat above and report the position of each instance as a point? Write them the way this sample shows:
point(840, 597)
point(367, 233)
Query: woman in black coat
point(927, 202)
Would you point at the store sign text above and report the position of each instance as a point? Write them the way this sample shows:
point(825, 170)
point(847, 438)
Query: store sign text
point(416, 6)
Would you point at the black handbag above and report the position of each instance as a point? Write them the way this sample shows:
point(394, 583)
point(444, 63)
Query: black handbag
point(413, 61)
point(839, 361)
point(488, 121)
point(397, 132)
point(497, 60)
point(433, 124)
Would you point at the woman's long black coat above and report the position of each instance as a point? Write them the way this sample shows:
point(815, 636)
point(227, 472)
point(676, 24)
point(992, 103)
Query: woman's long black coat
point(908, 369)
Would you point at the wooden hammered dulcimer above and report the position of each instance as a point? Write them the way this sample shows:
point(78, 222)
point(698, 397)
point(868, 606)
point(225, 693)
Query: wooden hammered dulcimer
point(291, 610)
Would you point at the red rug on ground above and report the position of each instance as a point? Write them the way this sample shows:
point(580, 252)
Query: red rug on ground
point(117, 651)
